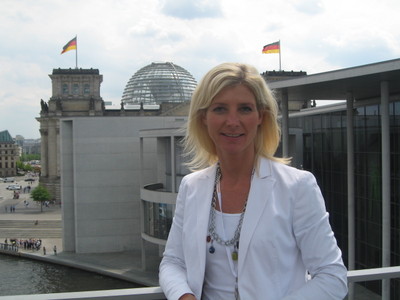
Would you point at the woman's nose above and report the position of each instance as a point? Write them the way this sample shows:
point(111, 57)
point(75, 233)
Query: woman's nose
point(232, 118)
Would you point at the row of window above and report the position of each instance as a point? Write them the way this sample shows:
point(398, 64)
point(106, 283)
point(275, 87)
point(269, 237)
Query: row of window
point(6, 152)
point(325, 155)
point(75, 90)
point(6, 165)
point(7, 145)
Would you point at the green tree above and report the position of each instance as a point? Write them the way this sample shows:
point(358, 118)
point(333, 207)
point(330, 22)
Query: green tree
point(41, 194)
point(22, 166)
point(28, 157)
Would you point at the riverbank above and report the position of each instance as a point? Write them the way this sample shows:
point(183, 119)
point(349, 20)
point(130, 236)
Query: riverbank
point(121, 265)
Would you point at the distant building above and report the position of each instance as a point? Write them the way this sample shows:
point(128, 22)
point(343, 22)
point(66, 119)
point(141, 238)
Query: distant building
point(28, 146)
point(8, 155)
point(31, 146)
point(76, 93)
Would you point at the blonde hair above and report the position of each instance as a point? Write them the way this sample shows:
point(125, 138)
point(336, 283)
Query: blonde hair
point(197, 143)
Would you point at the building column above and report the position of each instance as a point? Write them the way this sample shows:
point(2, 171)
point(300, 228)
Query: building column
point(385, 132)
point(52, 150)
point(350, 189)
point(141, 184)
point(285, 122)
point(173, 167)
point(43, 152)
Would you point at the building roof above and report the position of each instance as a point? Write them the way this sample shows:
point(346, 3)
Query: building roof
point(5, 137)
point(159, 82)
point(363, 81)
point(75, 71)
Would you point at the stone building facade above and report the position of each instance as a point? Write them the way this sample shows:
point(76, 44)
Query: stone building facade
point(76, 93)
point(8, 155)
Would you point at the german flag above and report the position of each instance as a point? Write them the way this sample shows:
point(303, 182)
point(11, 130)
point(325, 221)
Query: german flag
point(71, 45)
point(272, 48)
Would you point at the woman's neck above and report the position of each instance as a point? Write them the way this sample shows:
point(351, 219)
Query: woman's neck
point(235, 169)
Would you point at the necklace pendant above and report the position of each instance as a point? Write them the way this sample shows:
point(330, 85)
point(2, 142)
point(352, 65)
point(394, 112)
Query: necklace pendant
point(208, 238)
point(211, 249)
point(235, 255)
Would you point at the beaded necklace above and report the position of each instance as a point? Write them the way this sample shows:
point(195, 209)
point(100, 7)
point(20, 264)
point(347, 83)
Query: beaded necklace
point(212, 234)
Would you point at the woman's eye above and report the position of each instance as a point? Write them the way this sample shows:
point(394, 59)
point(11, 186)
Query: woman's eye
point(246, 109)
point(218, 109)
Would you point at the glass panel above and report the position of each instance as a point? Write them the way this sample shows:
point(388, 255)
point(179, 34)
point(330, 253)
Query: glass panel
point(316, 125)
point(159, 218)
point(86, 89)
point(75, 89)
point(373, 139)
point(307, 125)
point(65, 89)
point(359, 117)
point(372, 116)
point(336, 120)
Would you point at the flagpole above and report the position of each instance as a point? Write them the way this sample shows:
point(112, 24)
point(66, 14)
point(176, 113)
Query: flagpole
point(76, 53)
point(280, 51)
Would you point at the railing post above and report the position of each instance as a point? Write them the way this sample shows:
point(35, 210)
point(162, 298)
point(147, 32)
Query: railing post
point(350, 190)
point(385, 131)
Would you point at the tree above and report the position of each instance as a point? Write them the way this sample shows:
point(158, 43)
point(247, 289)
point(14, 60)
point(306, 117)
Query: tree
point(41, 194)
point(28, 157)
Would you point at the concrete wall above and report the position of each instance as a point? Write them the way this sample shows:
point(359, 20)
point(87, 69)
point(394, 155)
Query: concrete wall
point(100, 180)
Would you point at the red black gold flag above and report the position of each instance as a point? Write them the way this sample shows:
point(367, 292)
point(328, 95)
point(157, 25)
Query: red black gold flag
point(71, 45)
point(272, 48)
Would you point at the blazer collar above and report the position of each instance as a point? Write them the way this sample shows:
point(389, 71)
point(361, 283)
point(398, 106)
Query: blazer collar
point(260, 193)
point(203, 206)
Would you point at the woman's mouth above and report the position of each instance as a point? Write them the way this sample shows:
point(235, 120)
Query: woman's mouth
point(232, 134)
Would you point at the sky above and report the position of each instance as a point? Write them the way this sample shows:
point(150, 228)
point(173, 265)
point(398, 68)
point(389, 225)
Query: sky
point(119, 37)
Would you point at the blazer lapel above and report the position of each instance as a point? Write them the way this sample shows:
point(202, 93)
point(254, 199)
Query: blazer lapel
point(260, 192)
point(202, 211)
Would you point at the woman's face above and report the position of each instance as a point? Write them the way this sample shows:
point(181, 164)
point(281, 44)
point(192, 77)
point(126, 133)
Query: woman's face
point(232, 120)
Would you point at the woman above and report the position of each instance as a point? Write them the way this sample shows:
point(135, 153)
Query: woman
point(246, 225)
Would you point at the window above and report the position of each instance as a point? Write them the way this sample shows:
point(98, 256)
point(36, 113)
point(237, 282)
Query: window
point(65, 89)
point(75, 89)
point(86, 89)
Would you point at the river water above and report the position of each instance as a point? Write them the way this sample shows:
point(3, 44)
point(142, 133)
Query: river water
point(20, 276)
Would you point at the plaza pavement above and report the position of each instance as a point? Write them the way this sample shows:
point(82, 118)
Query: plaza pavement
point(122, 265)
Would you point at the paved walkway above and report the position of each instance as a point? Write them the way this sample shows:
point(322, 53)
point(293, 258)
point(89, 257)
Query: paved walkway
point(123, 265)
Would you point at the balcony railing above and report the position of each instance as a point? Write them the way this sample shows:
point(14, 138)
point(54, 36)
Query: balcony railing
point(155, 293)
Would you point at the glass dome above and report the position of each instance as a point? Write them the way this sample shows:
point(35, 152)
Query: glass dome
point(157, 83)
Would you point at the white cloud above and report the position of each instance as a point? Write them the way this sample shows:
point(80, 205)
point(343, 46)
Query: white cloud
point(184, 9)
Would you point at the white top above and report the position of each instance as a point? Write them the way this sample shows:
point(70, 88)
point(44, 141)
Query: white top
point(221, 270)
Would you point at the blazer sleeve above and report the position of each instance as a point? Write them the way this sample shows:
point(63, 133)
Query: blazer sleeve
point(315, 239)
point(172, 273)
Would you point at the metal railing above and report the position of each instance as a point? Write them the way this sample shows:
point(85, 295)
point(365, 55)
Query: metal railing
point(9, 247)
point(155, 293)
point(355, 276)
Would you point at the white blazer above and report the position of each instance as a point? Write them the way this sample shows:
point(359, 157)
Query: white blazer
point(285, 233)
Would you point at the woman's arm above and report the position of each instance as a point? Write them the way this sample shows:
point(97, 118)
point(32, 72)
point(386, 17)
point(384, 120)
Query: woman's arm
point(172, 275)
point(315, 239)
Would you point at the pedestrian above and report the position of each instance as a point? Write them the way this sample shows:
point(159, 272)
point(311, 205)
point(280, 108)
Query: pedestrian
point(44, 250)
point(55, 250)
point(246, 225)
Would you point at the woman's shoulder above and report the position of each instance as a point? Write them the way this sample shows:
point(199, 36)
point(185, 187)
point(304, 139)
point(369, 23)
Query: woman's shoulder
point(279, 169)
point(199, 174)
